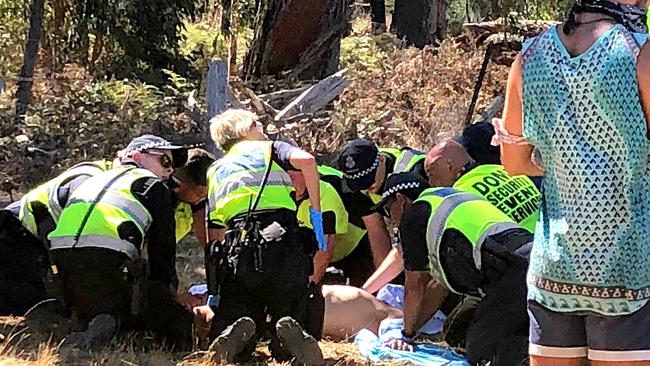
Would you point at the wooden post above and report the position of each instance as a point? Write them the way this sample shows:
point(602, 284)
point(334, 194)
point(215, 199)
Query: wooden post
point(215, 95)
point(25, 80)
point(215, 91)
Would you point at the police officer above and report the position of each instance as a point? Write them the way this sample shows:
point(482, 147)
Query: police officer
point(365, 166)
point(448, 164)
point(24, 226)
point(335, 220)
point(262, 271)
point(114, 249)
point(457, 242)
point(191, 195)
point(362, 248)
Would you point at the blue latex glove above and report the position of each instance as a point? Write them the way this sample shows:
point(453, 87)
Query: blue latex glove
point(316, 218)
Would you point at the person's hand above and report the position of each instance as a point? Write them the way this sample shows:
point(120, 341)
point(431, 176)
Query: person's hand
point(399, 345)
point(316, 218)
point(189, 301)
point(204, 311)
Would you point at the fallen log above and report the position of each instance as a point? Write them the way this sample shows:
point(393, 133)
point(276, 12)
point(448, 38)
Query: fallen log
point(280, 96)
point(316, 97)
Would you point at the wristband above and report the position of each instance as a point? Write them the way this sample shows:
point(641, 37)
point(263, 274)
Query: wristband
point(213, 300)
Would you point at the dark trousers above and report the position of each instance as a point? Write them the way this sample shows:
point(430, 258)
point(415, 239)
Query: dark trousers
point(266, 279)
point(24, 264)
point(499, 331)
point(94, 282)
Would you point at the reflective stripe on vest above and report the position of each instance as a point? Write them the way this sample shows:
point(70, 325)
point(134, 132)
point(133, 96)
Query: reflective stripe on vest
point(184, 220)
point(47, 194)
point(407, 160)
point(96, 241)
point(478, 220)
point(516, 196)
point(234, 182)
point(117, 206)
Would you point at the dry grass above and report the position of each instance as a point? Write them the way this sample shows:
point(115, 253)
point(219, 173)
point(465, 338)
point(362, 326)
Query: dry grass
point(21, 345)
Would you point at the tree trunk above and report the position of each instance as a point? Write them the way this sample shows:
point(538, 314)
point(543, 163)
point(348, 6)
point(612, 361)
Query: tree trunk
point(420, 22)
point(297, 38)
point(25, 80)
point(378, 15)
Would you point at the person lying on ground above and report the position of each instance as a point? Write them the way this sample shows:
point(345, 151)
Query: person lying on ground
point(350, 309)
point(457, 242)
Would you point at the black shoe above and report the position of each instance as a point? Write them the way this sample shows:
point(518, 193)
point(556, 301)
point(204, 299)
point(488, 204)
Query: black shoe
point(233, 340)
point(299, 344)
point(100, 331)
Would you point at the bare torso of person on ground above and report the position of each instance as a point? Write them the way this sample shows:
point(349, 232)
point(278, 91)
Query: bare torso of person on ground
point(349, 309)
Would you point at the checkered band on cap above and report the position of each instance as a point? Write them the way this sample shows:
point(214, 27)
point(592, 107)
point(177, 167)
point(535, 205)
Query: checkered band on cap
point(400, 187)
point(364, 172)
point(152, 145)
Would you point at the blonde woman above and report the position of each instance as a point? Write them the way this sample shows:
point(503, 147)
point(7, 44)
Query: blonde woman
point(256, 266)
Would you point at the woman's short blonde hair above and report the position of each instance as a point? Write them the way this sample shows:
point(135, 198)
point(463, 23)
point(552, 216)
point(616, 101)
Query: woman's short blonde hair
point(230, 127)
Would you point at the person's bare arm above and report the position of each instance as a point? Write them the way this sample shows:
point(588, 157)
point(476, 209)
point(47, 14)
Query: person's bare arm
point(198, 226)
point(516, 158)
point(643, 80)
point(306, 163)
point(322, 259)
point(422, 298)
point(390, 268)
point(378, 237)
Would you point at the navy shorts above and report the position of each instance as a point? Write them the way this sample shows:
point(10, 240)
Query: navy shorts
point(590, 335)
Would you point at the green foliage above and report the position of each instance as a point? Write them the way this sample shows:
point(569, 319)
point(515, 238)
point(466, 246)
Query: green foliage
point(366, 53)
point(13, 28)
point(461, 11)
point(147, 31)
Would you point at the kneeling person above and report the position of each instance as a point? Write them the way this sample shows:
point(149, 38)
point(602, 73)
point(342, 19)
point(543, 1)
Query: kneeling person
point(457, 242)
point(115, 251)
point(257, 269)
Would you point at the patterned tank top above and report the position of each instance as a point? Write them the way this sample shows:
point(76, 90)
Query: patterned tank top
point(592, 239)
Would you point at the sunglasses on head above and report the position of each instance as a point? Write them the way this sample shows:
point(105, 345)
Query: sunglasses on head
point(165, 160)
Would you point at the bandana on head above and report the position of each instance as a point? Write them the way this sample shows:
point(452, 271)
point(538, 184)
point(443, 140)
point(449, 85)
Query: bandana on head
point(631, 17)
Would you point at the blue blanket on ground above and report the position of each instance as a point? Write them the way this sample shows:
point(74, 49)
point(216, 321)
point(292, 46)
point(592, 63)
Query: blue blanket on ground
point(428, 354)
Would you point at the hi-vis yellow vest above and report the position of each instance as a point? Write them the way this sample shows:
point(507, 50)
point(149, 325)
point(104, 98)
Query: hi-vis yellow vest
point(234, 182)
point(466, 212)
point(346, 242)
point(47, 193)
point(115, 207)
point(184, 220)
point(517, 196)
point(330, 201)
point(405, 159)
